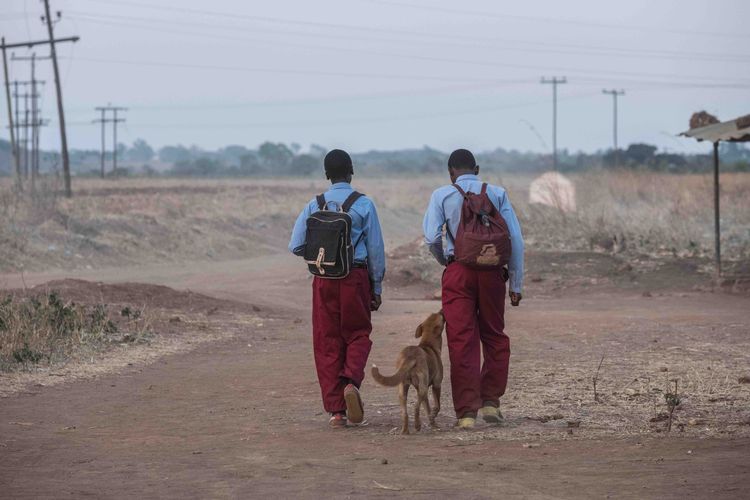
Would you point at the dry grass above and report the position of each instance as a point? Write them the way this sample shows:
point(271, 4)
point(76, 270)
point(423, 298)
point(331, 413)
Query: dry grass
point(44, 329)
point(127, 221)
point(642, 212)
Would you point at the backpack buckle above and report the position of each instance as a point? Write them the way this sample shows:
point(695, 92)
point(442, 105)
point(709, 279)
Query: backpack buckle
point(319, 261)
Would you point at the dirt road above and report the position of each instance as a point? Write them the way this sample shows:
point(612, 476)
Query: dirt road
point(241, 418)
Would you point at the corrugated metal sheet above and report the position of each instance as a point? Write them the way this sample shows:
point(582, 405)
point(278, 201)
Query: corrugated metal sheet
point(737, 130)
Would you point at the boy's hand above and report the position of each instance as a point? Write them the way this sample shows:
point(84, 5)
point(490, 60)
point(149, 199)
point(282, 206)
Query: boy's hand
point(515, 298)
point(376, 302)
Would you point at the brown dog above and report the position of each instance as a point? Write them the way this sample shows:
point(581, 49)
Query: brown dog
point(421, 367)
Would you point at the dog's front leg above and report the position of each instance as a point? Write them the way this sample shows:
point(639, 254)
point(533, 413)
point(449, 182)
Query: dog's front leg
point(421, 399)
point(403, 392)
point(436, 409)
point(425, 396)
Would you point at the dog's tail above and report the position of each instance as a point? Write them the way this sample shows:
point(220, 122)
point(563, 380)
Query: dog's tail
point(394, 379)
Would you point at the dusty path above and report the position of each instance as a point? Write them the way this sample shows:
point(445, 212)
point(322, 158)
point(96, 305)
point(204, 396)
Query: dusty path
point(241, 418)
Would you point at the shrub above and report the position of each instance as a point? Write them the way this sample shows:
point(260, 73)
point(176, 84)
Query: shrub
point(45, 327)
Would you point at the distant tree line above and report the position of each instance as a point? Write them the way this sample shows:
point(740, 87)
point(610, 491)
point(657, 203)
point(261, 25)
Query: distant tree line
point(280, 159)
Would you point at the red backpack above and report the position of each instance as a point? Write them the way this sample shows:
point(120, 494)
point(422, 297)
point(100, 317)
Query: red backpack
point(482, 240)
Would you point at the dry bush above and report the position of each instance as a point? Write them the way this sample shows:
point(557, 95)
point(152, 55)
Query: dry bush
point(43, 329)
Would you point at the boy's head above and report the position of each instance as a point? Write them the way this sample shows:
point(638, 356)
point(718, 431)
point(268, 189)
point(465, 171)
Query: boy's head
point(338, 166)
point(461, 162)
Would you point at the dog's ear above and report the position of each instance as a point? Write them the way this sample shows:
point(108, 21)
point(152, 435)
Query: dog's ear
point(419, 331)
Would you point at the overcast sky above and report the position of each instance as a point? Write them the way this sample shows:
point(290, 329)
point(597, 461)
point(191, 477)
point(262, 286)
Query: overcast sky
point(372, 74)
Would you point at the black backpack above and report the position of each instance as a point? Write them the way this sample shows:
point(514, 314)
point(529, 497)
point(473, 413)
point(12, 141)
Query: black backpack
point(329, 252)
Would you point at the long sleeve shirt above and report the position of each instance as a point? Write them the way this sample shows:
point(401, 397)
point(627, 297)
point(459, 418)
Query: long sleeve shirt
point(365, 223)
point(445, 210)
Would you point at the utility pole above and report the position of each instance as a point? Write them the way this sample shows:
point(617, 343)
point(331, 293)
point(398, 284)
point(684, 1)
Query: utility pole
point(114, 121)
point(60, 110)
point(36, 120)
point(615, 94)
point(22, 124)
point(16, 96)
point(53, 55)
point(26, 125)
point(103, 121)
point(13, 147)
point(554, 81)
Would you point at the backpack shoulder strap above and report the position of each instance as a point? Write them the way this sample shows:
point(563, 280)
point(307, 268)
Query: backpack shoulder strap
point(484, 188)
point(350, 201)
point(321, 198)
point(463, 193)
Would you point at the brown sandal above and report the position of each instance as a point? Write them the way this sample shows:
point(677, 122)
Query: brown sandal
point(354, 408)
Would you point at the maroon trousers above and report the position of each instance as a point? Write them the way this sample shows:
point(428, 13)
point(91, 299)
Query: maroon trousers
point(474, 309)
point(341, 334)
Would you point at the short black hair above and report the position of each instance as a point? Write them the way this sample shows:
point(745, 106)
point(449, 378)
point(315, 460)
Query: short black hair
point(338, 164)
point(462, 159)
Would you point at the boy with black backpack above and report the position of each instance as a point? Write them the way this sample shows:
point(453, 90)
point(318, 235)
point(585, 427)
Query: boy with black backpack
point(484, 248)
point(338, 234)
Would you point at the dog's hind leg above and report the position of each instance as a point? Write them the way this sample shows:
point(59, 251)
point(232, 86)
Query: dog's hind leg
point(403, 392)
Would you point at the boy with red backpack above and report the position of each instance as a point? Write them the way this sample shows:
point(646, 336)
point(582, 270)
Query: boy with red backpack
point(338, 234)
point(484, 249)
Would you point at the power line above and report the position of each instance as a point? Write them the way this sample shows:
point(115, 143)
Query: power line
point(424, 57)
point(275, 20)
point(644, 86)
point(266, 19)
point(284, 71)
point(337, 99)
point(558, 21)
point(710, 81)
point(357, 120)
point(546, 47)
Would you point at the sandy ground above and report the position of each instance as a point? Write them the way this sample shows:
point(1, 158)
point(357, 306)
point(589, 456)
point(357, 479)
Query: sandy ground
point(240, 416)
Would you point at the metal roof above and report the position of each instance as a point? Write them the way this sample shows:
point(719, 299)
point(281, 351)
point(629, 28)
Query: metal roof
point(737, 130)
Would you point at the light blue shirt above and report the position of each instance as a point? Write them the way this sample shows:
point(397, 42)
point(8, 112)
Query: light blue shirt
point(365, 223)
point(445, 208)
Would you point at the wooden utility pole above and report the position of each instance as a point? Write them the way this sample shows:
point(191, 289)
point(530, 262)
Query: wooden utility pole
point(13, 150)
point(554, 81)
point(114, 121)
point(16, 101)
point(36, 119)
point(615, 94)
point(717, 219)
point(103, 120)
point(24, 123)
point(52, 41)
point(60, 110)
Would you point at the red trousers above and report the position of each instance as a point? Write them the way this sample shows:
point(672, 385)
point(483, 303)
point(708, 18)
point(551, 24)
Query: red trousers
point(341, 334)
point(474, 309)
